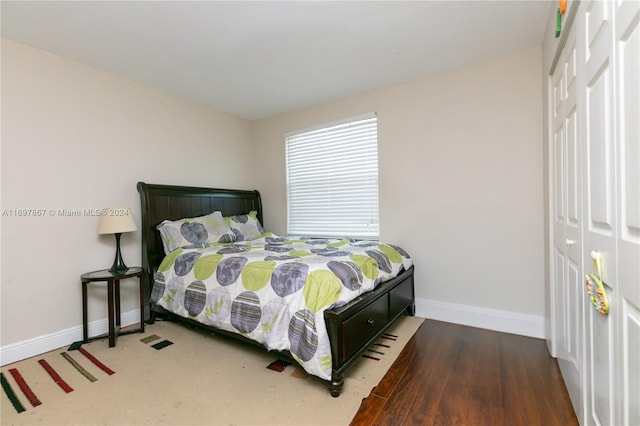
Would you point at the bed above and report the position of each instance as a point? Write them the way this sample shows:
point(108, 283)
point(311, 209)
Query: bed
point(334, 325)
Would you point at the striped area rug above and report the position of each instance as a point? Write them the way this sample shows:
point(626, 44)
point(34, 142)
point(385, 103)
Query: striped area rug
point(173, 374)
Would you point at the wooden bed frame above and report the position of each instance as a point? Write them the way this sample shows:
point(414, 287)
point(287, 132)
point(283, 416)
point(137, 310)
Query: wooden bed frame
point(352, 328)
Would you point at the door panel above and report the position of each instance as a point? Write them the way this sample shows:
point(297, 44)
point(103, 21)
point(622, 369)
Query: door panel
point(559, 183)
point(627, 40)
point(574, 317)
point(561, 313)
point(600, 360)
point(600, 218)
point(630, 364)
point(573, 170)
point(595, 210)
point(571, 365)
point(557, 200)
point(599, 177)
point(567, 220)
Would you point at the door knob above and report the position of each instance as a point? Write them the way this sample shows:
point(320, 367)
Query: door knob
point(570, 242)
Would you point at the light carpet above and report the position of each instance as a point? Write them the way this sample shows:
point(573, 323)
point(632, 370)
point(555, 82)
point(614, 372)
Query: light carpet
point(199, 379)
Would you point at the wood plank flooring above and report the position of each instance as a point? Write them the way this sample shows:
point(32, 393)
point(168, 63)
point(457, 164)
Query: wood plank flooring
point(450, 374)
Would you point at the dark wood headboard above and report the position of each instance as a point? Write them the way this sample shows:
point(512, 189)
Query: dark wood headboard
point(161, 202)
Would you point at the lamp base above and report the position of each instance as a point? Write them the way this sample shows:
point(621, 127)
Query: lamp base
point(118, 266)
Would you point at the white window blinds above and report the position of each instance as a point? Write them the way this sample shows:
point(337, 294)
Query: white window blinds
point(332, 180)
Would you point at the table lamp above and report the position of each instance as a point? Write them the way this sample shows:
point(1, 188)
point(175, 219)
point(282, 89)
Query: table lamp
point(116, 221)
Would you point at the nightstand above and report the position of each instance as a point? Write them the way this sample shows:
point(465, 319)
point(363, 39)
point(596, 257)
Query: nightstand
point(113, 302)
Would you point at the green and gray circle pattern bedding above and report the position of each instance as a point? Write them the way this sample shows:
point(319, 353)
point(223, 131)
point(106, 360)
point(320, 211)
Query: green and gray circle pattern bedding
point(275, 290)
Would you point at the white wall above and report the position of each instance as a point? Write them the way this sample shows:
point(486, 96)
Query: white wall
point(77, 138)
point(461, 186)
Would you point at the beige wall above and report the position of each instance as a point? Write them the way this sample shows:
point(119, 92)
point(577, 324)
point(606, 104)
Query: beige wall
point(77, 138)
point(460, 178)
point(460, 158)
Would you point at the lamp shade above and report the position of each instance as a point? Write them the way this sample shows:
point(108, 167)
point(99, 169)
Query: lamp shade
point(116, 221)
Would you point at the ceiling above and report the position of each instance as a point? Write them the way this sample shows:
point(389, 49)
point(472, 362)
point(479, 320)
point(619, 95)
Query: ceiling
point(259, 59)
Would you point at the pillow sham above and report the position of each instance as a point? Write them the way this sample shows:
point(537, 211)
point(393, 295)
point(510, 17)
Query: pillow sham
point(245, 227)
point(195, 232)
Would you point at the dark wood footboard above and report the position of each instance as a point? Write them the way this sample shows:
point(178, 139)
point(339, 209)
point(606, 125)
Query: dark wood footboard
point(354, 327)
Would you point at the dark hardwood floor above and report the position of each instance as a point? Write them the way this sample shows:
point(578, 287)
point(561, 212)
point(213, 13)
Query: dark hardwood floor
point(450, 374)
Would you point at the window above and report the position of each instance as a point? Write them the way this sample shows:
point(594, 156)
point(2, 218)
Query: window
point(332, 179)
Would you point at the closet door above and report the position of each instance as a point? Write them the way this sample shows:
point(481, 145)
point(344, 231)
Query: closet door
point(572, 365)
point(627, 40)
point(595, 209)
point(600, 209)
point(567, 221)
point(557, 179)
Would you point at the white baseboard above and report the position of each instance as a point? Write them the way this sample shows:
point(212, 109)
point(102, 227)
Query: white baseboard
point(491, 319)
point(474, 316)
point(39, 345)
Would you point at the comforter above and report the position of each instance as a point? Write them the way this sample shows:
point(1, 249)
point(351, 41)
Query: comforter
point(275, 290)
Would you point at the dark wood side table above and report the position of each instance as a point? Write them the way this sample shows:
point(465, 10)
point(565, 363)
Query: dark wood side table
point(113, 295)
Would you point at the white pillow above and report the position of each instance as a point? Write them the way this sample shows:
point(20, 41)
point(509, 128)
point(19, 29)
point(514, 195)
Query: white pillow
point(245, 227)
point(195, 232)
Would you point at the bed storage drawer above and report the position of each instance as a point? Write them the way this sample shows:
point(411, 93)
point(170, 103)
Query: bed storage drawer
point(364, 325)
point(400, 298)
